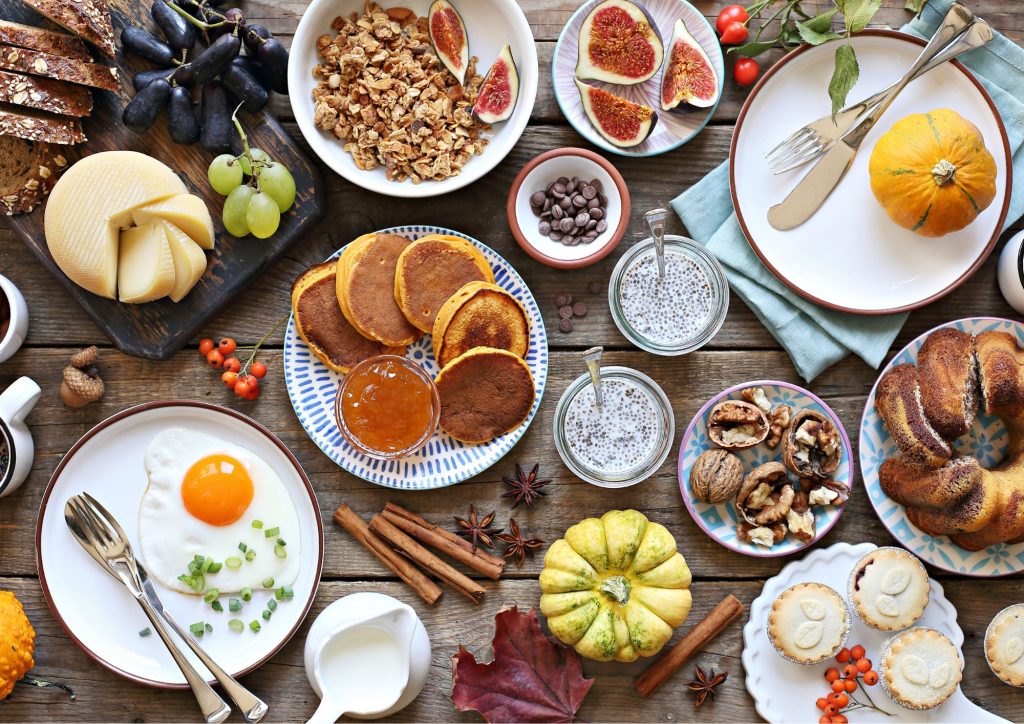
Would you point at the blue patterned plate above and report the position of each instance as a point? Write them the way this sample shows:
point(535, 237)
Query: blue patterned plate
point(986, 441)
point(444, 461)
point(719, 520)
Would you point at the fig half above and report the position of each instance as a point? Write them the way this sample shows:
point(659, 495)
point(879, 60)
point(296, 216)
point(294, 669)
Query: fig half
point(499, 91)
point(689, 76)
point(448, 35)
point(619, 43)
point(622, 122)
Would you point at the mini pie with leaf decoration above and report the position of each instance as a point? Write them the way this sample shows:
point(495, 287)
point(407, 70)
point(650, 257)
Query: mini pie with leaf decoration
point(919, 668)
point(889, 589)
point(808, 623)
point(1004, 645)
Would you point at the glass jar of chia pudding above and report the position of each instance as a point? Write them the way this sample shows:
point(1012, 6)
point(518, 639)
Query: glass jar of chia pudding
point(624, 441)
point(674, 314)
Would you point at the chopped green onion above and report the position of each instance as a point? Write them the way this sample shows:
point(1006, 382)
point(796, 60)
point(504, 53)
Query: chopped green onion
point(284, 592)
point(255, 626)
point(236, 625)
point(272, 604)
point(217, 606)
point(209, 628)
point(281, 542)
point(246, 594)
point(233, 562)
point(250, 556)
point(266, 614)
point(268, 582)
point(243, 547)
point(206, 565)
point(211, 595)
point(280, 552)
point(145, 632)
point(271, 532)
point(197, 629)
point(234, 605)
point(257, 524)
point(215, 567)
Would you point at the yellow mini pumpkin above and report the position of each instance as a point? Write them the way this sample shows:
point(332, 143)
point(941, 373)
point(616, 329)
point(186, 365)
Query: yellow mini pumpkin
point(17, 642)
point(932, 173)
point(615, 587)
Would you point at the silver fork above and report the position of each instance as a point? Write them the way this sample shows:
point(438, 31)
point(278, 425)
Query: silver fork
point(104, 539)
point(813, 140)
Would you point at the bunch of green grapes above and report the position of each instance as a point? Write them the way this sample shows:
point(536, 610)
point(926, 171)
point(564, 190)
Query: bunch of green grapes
point(258, 188)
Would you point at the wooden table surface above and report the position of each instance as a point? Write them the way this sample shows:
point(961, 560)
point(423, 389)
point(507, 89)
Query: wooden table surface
point(743, 350)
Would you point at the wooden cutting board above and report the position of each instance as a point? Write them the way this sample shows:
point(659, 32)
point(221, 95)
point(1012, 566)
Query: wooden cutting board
point(158, 329)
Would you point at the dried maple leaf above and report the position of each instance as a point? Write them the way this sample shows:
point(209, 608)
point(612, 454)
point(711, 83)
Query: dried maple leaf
point(531, 679)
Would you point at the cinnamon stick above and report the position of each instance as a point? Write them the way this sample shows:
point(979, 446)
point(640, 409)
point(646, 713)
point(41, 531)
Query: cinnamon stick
point(403, 568)
point(444, 541)
point(699, 636)
point(421, 556)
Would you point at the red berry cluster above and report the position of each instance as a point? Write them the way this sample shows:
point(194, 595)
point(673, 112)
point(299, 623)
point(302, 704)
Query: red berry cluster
point(243, 378)
point(840, 701)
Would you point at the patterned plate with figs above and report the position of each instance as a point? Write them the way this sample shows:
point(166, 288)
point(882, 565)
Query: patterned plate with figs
point(986, 440)
point(672, 128)
point(719, 520)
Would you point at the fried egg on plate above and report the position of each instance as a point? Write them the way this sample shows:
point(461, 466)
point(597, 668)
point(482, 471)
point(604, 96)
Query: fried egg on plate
point(203, 495)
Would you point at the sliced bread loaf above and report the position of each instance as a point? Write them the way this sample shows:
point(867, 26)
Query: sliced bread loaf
point(45, 94)
point(48, 41)
point(28, 170)
point(88, 19)
point(48, 65)
point(35, 125)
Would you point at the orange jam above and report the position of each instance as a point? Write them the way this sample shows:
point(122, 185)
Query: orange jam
point(388, 406)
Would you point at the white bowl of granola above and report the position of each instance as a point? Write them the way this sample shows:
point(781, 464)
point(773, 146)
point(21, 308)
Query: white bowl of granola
point(375, 104)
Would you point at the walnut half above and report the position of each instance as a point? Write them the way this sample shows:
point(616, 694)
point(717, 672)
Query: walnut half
point(766, 495)
point(800, 518)
point(765, 536)
point(811, 447)
point(737, 425)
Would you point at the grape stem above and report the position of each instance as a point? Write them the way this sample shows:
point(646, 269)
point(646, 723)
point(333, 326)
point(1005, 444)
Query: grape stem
point(207, 12)
point(254, 165)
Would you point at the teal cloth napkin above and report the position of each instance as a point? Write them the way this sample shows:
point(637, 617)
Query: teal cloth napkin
point(816, 337)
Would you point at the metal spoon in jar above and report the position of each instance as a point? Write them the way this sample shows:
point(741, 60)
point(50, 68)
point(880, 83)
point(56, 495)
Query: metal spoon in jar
point(592, 357)
point(656, 223)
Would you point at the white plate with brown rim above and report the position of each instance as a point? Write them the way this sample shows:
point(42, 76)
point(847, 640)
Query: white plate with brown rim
point(98, 613)
point(850, 256)
point(490, 24)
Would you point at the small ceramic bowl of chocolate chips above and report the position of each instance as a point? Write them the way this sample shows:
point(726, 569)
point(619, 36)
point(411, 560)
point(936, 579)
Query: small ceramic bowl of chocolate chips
point(568, 208)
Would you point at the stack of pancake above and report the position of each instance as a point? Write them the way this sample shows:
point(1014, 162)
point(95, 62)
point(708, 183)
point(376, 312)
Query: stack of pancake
point(385, 291)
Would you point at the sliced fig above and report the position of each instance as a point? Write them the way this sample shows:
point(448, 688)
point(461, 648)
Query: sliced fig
point(499, 91)
point(689, 76)
point(622, 122)
point(448, 34)
point(619, 43)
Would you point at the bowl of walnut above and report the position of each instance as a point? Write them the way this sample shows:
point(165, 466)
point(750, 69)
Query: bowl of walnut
point(378, 105)
point(765, 468)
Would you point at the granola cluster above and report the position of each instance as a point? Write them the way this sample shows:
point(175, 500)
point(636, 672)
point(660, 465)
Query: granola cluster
point(384, 93)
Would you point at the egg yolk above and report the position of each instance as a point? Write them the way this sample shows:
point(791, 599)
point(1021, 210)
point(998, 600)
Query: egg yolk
point(217, 490)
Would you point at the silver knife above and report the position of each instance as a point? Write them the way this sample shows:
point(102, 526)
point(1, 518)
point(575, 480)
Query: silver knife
point(816, 186)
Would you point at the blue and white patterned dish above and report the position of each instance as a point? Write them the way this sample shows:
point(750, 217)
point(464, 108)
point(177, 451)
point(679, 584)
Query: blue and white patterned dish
point(719, 520)
point(444, 461)
point(986, 440)
point(673, 129)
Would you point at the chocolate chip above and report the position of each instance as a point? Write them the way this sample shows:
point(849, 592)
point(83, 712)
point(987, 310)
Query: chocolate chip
point(562, 180)
point(602, 225)
point(582, 219)
point(596, 183)
point(589, 192)
point(555, 235)
point(565, 312)
point(544, 228)
point(591, 224)
point(593, 203)
point(563, 299)
point(557, 212)
point(595, 286)
point(565, 202)
point(579, 309)
point(579, 201)
point(538, 198)
point(565, 325)
point(597, 213)
point(566, 224)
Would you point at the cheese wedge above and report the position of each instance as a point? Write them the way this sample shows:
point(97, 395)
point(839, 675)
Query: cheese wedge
point(189, 260)
point(89, 205)
point(186, 211)
point(146, 268)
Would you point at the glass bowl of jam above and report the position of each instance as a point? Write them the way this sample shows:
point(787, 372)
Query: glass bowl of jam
point(674, 314)
point(624, 441)
point(387, 407)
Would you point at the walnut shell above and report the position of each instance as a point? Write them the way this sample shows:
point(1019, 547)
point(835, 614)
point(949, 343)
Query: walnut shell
point(825, 492)
point(716, 476)
point(737, 425)
point(764, 536)
point(766, 495)
point(811, 447)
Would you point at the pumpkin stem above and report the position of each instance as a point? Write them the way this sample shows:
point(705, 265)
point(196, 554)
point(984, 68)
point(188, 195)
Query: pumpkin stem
point(943, 172)
point(618, 588)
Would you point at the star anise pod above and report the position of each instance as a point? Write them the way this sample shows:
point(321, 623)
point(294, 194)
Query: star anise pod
point(477, 530)
point(516, 546)
point(526, 487)
point(705, 684)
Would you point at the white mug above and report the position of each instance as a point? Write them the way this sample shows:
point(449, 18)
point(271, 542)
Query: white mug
point(18, 327)
point(1011, 272)
point(15, 439)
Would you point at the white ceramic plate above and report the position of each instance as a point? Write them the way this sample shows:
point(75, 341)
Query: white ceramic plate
point(719, 520)
point(986, 440)
point(850, 255)
point(673, 129)
point(489, 24)
point(785, 692)
point(313, 387)
point(98, 613)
